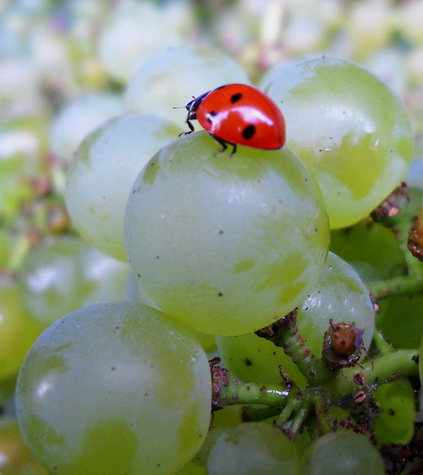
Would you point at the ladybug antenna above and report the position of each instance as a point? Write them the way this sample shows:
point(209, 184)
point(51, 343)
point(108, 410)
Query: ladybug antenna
point(183, 107)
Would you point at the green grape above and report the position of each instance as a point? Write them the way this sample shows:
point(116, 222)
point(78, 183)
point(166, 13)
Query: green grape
point(350, 129)
point(114, 388)
point(134, 293)
point(139, 28)
point(254, 359)
point(15, 458)
point(79, 117)
point(5, 247)
point(170, 77)
point(222, 420)
point(421, 375)
point(394, 422)
point(400, 320)
point(20, 151)
point(225, 245)
point(252, 448)
point(342, 452)
point(65, 273)
point(103, 171)
point(18, 329)
point(371, 249)
point(339, 294)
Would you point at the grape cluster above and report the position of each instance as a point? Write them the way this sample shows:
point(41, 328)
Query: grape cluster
point(176, 278)
point(221, 245)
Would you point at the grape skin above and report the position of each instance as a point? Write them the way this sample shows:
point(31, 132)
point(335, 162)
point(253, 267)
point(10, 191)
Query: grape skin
point(226, 245)
point(349, 127)
point(114, 388)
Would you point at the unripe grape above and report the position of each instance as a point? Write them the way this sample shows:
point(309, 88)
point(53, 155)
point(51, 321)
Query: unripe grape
point(339, 295)
point(342, 452)
point(258, 447)
point(349, 127)
point(224, 244)
point(18, 329)
point(114, 388)
point(64, 273)
point(103, 171)
point(78, 118)
point(170, 77)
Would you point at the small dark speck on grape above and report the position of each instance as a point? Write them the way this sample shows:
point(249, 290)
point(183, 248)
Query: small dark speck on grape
point(117, 327)
point(315, 230)
point(306, 179)
point(221, 231)
point(146, 394)
point(320, 150)
point(157, 257)
point(113, 368)
point(258, 180)
point(151, 366)
point(248, 362)
point(139, 276)
point(220, 294)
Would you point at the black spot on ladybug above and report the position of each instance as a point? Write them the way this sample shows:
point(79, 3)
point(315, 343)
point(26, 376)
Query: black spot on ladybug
point(236, 97)
point(248, 131)
point(212, 113)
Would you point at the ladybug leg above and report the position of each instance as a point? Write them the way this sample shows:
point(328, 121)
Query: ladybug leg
point(224, 145)
point(191, 116)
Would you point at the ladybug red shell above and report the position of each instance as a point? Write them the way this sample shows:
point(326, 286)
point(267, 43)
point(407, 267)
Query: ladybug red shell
point(238, 114)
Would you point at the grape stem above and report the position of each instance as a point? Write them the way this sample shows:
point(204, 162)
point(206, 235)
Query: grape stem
point(294, 404)
point(400, 285)
point(284, 333)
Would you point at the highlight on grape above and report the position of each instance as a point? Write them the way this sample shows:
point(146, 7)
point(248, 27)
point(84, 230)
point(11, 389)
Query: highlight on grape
point(171, 303)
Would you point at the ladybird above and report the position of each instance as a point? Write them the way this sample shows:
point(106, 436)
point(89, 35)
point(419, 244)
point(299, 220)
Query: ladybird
point(238, 114)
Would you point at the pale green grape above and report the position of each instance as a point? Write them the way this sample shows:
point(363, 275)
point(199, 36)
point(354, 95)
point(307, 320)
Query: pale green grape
point(224, 244)
point(340, 294)
point(18, 329)
point(421, 375)
point(103, 171)
point(64, 273)
point(114, 388)
point(139, 28)
point(350, 129)
point(400, 320)
point(171, 77)
point(370, 248)
point(342, 452)
point(15, 458)
point(134, 293)
point(79, 117)
point(254, 359)
point(252, 448)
